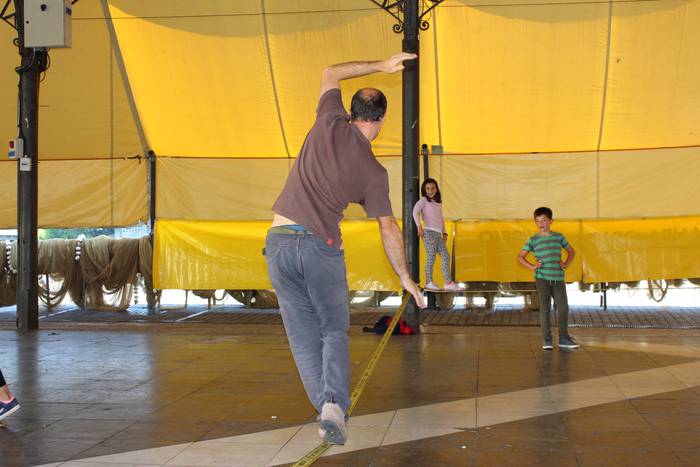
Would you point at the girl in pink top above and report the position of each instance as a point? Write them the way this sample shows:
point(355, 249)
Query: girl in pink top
point(434, 233)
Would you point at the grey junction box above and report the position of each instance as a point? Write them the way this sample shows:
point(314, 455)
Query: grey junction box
point(47, 23)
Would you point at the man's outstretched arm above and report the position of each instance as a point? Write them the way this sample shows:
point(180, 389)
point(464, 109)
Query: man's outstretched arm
point(334, 74)
point(393, 247)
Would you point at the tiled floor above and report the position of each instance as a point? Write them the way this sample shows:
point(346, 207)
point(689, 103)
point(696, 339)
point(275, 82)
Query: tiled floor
point(204, 395)
point(661, 317)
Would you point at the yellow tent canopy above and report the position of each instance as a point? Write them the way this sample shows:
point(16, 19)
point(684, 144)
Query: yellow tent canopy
point(592, 108)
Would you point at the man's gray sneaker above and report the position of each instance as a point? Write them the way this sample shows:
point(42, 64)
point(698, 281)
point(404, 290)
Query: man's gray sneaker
point(332, 427)
point(547, 344)
point(566, 342)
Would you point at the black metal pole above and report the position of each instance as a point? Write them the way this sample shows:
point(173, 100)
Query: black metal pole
point(33, 62)
point(151, 157)
point(410, 151)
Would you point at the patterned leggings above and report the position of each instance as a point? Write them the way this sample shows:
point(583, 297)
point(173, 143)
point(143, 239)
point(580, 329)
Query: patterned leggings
point(434, 243)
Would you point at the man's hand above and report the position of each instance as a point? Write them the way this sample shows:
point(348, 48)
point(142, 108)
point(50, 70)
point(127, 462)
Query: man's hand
point(334, 74)
point(537, 265)
point(395, 62)
point(414, 290)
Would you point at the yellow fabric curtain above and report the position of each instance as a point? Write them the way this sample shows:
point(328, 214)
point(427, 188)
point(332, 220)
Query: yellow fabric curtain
point(228, 255)
point(81, 193)
point(209, 255)
point(510, 77)
point(577, 89)
point(218, 189)
point(631, 250)
point(200, 77)
point(654, 75)
point(487, 250)
point(625, 184)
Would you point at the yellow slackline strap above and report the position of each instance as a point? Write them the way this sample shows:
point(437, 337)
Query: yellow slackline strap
point(319, 450)
point(314, 454)
point(360, 386)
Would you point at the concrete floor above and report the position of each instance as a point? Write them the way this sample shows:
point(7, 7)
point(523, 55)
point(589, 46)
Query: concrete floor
point(186, 394)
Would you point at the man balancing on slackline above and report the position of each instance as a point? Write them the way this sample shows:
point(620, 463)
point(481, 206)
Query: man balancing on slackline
point(304, 249)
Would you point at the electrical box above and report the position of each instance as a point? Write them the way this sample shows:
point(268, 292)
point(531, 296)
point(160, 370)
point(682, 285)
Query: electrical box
point(16, 148)
point(47, 23)
point(25, 164)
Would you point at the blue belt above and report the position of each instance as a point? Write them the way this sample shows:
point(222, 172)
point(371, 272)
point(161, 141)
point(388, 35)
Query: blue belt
point(292, 229)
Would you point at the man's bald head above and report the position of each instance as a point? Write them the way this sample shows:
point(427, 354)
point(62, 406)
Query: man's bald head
point(368, 104)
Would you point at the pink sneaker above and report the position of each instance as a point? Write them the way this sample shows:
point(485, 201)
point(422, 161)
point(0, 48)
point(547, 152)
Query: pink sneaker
point(454, 287)
point(431, 286)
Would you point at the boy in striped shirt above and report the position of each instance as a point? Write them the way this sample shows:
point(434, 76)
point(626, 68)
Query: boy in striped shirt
point(546, 246)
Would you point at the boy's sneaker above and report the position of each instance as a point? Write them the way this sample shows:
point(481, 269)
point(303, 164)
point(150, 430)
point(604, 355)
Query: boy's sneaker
point(454, 287)
point(566, 342)
point(333, 428)
point(547, 344)
point(431, 286)
point(8, 408)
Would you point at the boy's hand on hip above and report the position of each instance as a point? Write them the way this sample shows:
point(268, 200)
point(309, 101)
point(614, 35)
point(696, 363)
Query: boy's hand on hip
point(420, 231)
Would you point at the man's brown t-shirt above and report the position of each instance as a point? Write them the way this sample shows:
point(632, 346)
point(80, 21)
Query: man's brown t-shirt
point(335, 167)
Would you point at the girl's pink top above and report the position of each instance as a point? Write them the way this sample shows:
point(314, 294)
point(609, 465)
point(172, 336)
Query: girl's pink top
point(432, 215)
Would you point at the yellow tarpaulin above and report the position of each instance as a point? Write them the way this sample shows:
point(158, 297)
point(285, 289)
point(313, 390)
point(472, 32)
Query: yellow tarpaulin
point(487, 250)
point(631, 250)
point(228, 255)
point(82, 193)
point(84, 121)
point(510, 77)
point(209, 255)
point(83, 109)
point(590, 108)
point(237, 189)
point(628, 184)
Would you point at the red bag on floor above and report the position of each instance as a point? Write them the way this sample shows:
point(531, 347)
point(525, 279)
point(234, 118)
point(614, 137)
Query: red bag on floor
point(383, 323)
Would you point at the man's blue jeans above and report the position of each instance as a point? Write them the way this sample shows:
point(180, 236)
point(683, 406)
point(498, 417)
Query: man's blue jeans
point(309, 278)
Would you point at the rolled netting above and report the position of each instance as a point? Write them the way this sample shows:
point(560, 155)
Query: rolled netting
point(56, 260)
point(100, 273)
point(146, 270)
point(109, 270)
point(8, 282)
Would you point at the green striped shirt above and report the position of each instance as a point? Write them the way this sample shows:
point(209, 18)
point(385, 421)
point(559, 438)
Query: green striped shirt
point(547, 249)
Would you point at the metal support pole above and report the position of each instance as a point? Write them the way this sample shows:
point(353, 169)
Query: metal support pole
point(604, 298)
point(32, 64)
point(410, 151)
point(151, 157)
